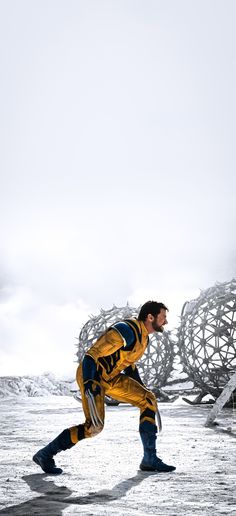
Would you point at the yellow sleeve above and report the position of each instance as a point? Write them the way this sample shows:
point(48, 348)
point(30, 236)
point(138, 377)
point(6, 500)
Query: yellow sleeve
point(107, 344)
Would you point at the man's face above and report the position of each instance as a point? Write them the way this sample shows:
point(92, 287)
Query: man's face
point(159, 321)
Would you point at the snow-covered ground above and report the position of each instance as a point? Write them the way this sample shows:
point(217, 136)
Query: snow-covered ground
point(101, 475)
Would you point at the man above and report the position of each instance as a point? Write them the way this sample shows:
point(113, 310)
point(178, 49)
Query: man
point(108, 368)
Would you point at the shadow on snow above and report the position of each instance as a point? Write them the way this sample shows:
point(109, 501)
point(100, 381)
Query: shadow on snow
point(54, 499)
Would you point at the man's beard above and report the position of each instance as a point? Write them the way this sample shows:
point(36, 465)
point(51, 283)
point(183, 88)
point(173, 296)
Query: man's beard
point(157, 328)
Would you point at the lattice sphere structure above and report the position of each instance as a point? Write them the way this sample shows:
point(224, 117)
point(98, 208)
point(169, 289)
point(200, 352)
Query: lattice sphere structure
point(156, 364)
point(207, 337)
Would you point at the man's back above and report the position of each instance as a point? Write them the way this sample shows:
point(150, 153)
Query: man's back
point(119, 347)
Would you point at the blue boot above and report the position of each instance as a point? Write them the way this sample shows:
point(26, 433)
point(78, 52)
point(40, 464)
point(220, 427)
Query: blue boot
point(44, 457)
point(150, 461)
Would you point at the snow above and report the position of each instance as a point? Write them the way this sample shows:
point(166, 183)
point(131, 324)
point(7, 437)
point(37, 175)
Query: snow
point(42, 385)
point(101, 475)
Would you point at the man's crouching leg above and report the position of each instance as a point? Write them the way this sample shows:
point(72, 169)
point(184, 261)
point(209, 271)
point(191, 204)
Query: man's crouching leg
point(148, 433)
point(64, 441)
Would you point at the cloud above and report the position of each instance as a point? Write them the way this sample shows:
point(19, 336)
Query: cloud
point(36, 336)
point(118, 164)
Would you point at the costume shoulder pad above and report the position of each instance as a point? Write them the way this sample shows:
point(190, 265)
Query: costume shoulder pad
point(126, 332)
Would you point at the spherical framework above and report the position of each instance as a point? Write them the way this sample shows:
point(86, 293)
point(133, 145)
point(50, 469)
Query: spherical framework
point(207, 337)
point(156, 364)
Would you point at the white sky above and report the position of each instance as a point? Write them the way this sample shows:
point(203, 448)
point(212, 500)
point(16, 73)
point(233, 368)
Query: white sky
point(117, 128)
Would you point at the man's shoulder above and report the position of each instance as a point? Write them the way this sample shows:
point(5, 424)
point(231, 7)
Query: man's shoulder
point(129, 329)
point(130, 324)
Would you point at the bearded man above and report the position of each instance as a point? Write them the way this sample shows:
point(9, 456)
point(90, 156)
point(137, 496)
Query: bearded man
point(109, 368)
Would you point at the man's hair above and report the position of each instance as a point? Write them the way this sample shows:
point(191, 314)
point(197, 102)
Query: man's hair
point(150, 307)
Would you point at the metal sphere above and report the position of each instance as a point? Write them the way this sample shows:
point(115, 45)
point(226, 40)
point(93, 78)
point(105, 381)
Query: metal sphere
point(207, 337)
point(156, 364)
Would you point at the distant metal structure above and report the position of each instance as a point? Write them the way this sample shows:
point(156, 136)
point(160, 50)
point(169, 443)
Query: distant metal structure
point(207, 337)
point(222, 400)
point(156, 364)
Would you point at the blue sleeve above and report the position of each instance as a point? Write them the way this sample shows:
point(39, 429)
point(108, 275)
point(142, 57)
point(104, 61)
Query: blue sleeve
point(126, 332)
point(89, 368)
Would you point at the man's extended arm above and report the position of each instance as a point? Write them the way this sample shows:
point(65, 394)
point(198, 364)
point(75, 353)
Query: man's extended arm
point(90, 375)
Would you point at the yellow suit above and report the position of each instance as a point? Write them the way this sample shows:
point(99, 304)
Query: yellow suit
point(115, 354)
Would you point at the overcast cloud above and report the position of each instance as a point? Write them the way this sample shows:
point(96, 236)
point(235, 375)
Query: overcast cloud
point(117, 164)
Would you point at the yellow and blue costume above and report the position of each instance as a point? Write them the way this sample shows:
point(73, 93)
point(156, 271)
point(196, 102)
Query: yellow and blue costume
point(110, 365)
point(109, 368)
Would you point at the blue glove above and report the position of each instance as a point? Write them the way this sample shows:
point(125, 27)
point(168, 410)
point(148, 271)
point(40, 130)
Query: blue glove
point(92, 387)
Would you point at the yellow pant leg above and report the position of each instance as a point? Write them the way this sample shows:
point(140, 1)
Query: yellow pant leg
point(121, 388)
point(89, 429)
point(128, 390)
